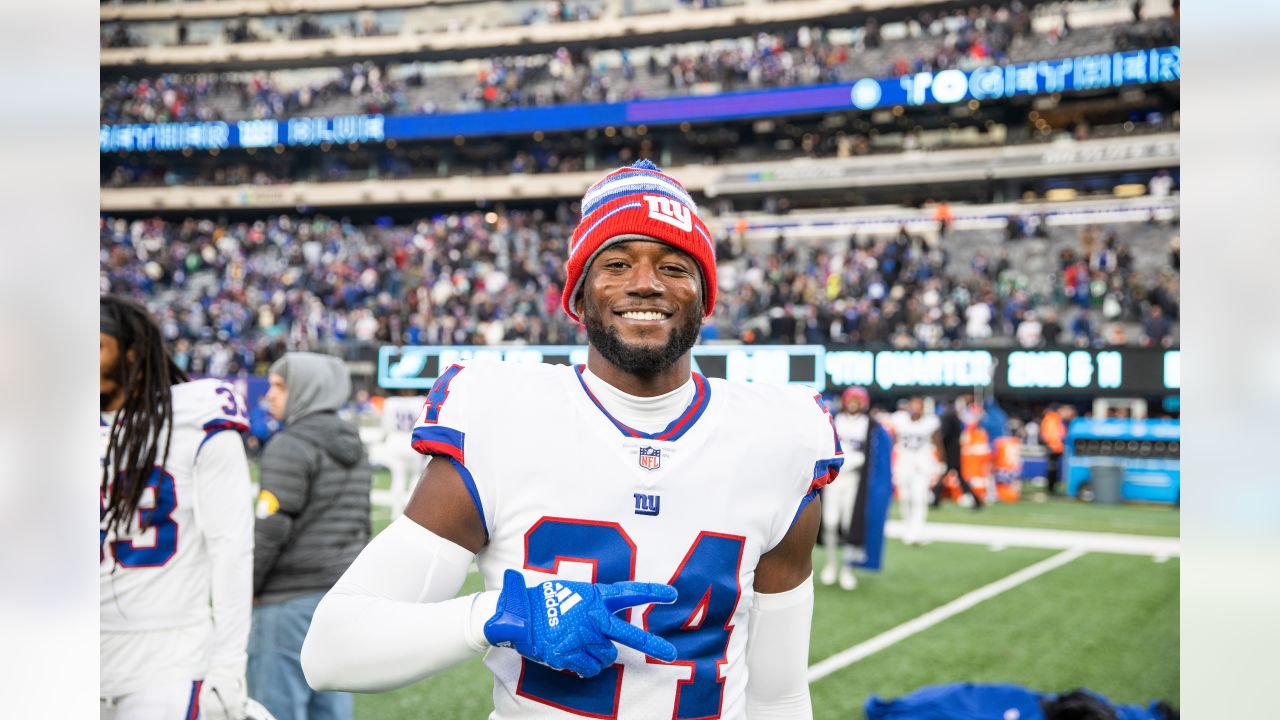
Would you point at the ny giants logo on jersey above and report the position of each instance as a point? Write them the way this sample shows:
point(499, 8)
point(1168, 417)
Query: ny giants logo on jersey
point(650, 458)
point(669, 212)
point(647, 504)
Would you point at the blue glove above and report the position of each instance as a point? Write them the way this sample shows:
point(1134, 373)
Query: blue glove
point(571, 625)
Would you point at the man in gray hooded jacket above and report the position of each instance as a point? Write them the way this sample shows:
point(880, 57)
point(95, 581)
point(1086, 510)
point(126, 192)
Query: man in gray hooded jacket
point(312, 521)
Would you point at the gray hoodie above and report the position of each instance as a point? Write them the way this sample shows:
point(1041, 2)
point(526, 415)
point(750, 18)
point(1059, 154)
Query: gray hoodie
point(313, 516)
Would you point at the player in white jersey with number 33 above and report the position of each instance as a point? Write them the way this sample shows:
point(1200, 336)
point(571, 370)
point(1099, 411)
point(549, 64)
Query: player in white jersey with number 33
point(176, 533)
point(645, 533)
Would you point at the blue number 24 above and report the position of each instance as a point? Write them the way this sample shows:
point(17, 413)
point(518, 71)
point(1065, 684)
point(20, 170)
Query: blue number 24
point(697, 623)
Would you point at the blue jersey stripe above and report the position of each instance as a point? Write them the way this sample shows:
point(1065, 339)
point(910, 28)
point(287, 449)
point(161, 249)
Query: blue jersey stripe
point(673, 431)
point(472, 490)
point(439, 440)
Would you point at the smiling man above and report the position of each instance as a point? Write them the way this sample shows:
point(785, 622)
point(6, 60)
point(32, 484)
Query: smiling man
point(645, 533)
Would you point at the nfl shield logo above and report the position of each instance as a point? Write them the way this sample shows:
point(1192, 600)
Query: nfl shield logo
point(650, 458)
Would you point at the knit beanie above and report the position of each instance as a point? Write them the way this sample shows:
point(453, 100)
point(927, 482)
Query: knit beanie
point(639, 202)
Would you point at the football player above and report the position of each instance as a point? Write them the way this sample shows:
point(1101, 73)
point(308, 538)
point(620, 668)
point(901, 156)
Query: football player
point(645, 533)
point(916, 464)
point(839, 499)
point(176, 532)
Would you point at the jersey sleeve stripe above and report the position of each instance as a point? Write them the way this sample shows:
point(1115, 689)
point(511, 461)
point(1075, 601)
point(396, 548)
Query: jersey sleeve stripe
point(472, 490)
point(825, 471)
point(219, 424)
point(213, 427)
point(439, 440)
point(804, 502)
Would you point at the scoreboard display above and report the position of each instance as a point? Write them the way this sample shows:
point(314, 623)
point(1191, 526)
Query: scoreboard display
point(1126, 372)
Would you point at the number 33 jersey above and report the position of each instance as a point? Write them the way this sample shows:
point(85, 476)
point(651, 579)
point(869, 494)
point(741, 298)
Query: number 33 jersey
point(155, 575)
point(565, 490)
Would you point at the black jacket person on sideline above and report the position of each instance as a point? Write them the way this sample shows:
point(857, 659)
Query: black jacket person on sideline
point(313, 519)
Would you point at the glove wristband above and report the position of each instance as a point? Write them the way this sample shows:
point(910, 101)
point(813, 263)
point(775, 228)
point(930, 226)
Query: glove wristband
point(510, 622)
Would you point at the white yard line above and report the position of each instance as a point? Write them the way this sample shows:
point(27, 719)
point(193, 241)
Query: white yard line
point(1004, 537)
point(845, 658)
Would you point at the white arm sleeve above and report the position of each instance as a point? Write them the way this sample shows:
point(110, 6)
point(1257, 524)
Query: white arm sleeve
point(393, 617)
point(224, 514)
point(778, 654)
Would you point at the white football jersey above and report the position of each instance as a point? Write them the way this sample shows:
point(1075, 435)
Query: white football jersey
point(565, 490)
point(914, 437)
point(853, 432)
point(400, 415)
point(156, 576)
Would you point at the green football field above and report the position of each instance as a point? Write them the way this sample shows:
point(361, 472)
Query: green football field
point(1103, 621)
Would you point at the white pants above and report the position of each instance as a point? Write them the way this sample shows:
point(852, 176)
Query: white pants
point(913, 479)
point(837, 511)
point(161, 701)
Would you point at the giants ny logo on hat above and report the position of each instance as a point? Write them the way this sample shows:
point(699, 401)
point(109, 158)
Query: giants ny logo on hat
point(670, 212)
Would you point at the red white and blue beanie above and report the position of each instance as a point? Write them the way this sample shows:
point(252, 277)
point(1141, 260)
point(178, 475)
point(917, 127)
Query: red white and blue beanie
point(639, 202)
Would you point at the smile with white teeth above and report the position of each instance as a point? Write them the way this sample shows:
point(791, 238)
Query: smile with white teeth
point(644, 315)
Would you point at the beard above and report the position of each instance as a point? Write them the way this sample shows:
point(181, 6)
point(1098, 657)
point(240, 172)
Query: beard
point(640, 360)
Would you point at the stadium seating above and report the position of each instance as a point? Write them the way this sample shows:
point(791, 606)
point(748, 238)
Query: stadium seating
point(234, 294)
point(806, 56)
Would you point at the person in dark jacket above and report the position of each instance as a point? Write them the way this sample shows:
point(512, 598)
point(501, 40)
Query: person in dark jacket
point(952, 427)
point(312, 521)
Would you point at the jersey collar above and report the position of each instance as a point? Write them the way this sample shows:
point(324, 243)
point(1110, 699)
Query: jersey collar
point(673, 431)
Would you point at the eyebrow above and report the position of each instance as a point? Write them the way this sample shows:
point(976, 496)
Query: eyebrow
point(668, 250)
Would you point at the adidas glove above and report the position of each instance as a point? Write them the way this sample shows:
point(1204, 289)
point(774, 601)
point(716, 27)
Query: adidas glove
point(571, 625)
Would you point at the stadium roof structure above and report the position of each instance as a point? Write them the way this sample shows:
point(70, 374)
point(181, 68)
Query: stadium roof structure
point(215, 9)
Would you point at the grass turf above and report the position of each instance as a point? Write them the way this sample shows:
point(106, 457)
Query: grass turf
point(1059, 513)
point(1108, 622)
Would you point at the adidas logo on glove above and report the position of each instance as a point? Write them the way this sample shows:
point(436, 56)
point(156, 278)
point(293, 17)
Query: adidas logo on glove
point(559, 600)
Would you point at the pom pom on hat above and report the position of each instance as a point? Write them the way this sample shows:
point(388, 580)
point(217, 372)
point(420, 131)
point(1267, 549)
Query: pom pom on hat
point(860, 393)
point(632, 202)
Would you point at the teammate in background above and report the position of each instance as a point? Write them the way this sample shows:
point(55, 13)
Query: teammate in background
point(176, 532)
point(839, 499)
point(916, 462)
point(644, 528)
point(395, 452)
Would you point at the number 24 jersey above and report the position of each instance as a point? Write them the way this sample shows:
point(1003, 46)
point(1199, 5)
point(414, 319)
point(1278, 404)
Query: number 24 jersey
point(565, 490)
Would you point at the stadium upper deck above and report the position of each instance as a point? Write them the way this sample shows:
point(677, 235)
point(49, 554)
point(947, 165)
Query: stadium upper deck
point(465, 148)
point(445, 31)
point(806, 56)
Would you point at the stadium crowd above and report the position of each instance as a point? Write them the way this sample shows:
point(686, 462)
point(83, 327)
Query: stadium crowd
point(964, 38)
point(233, 297)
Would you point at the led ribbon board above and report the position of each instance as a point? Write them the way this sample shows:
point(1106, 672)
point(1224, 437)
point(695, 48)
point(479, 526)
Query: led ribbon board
point(417, 367)
point(1027, 373)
